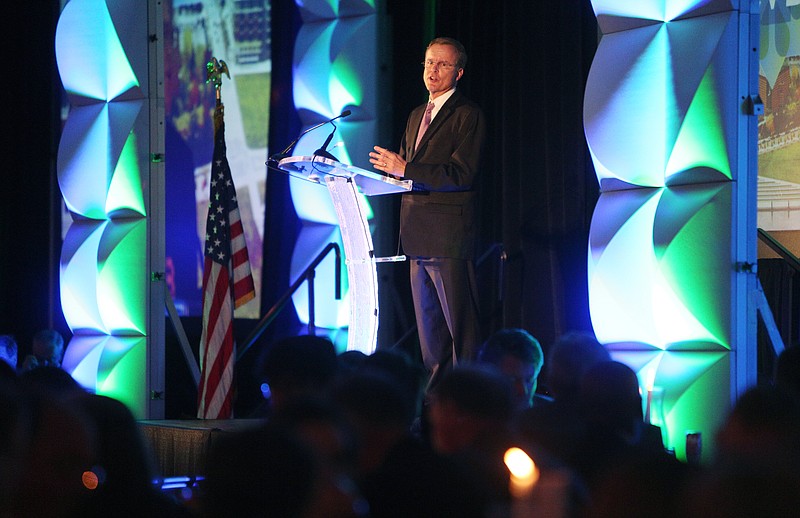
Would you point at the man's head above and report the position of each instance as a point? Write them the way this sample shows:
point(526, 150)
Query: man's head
point(445, 59)
point(48, 347)
point(571, 356)
point(471, 403)
point(518, 355)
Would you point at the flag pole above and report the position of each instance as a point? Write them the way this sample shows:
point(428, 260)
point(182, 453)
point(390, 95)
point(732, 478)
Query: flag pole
point(227, 278)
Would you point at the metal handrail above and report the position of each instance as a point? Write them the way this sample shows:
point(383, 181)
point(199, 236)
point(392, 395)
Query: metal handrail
point(763, 308)
point(308, 274)
point(781, 250)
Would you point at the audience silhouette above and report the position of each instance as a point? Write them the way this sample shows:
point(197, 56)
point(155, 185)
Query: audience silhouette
point(338, 441)
point(47, 350)
point(471, 422)
point(558, 427)
point(518, 355)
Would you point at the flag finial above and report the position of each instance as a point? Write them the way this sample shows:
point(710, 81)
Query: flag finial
point(214, 70)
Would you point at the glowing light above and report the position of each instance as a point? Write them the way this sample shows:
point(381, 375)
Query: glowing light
point(524, 473)
point(90, 480)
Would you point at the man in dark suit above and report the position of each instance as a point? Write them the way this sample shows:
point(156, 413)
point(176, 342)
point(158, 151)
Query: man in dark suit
point(441, 152)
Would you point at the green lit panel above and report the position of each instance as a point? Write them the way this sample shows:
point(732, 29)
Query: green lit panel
point(103, 277)
point(111, 366)
point(122, 277)
point(125, 194)
point(659, 267)
point(655, 104)
point(686, 391)
point(98, 160)
point(312, 203)
point(692, 243)
point(344, 86)
point(314, 10)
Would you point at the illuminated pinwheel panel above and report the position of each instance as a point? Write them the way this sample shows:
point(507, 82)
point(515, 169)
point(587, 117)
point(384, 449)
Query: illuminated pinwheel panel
point(657, 107)
point(616, 15)
point(665, 121)
point(98, 293)
point(103, 163)
point(659, 267)
point(99, 157)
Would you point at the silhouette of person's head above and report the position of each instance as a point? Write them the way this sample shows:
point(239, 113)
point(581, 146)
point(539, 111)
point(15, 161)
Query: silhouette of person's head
point(263, 471)
point(570, 357)
point(610, 398)
point(407, 376)
point(48, 346)
point(754, 472)
point(518, 355)
point(469, 402)
point(47, 350)
point(297, 367)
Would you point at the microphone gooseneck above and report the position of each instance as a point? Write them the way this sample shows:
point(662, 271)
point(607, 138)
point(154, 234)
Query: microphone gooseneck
point(288, 149)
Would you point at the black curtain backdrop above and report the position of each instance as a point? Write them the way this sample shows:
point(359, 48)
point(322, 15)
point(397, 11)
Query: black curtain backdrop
point(30, 199)
point(527, 68)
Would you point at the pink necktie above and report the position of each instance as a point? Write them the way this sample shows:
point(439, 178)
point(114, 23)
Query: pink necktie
point(426, 121)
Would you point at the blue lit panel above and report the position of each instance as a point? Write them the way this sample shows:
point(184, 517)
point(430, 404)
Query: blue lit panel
point(618, 15)
point(79, 276)
point(663, 121)
point(335, 63)
point(329, 312)
point(86, 35)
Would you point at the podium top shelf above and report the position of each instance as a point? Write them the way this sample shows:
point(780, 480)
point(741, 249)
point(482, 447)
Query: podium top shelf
point(316, 168)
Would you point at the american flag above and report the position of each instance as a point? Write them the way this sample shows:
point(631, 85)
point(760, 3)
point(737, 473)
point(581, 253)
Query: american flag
point(227, 284)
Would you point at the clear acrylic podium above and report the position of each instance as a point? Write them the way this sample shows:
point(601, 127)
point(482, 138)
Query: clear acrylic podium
point(344, 183)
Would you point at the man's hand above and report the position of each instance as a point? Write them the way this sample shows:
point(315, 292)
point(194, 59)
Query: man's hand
point(387, 161)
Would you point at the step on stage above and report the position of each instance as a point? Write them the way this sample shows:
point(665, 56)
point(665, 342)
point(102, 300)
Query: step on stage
point(180, 446)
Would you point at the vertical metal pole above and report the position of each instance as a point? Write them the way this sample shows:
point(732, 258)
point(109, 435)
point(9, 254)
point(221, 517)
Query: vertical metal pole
point(312, 329)
point(156, 221)
point(744, 231)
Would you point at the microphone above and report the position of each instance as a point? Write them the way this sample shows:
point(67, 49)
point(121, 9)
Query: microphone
point(323, 152)
point(288, 150)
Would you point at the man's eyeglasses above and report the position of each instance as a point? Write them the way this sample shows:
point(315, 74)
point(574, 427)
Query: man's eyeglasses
point(441, 65)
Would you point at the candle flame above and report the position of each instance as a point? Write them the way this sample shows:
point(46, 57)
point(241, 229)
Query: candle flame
point(519, 463)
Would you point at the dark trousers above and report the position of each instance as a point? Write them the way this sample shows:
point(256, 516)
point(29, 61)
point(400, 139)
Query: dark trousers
point(445, 304)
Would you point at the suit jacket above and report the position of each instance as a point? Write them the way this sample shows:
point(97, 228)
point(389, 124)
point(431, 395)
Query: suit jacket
point(437, 219)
